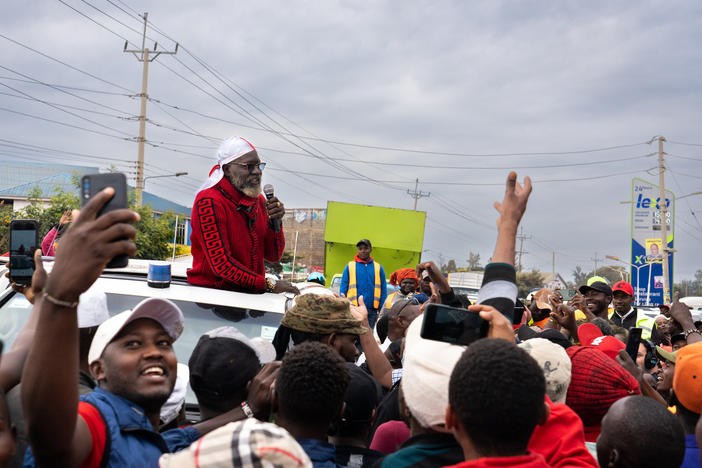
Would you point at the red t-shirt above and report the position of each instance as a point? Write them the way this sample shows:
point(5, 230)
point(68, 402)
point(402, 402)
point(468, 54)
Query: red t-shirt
point(98, 432)
point(529, 460)
point(561, 440)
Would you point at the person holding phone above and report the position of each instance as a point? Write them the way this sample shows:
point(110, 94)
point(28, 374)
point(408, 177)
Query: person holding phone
point(51, 239)
point(234, 227)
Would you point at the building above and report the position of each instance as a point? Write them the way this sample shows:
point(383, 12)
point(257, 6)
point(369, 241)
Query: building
point(304, 235)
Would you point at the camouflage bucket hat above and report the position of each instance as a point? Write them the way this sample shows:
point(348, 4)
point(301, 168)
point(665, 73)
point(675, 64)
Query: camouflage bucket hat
point(315, 313)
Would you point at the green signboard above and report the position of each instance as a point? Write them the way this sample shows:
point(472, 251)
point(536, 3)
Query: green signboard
point(397, 235)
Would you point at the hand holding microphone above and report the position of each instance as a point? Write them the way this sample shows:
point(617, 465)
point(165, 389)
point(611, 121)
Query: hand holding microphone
point(275, 208)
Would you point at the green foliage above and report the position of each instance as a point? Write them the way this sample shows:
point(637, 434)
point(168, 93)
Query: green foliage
point(154, 233)
point(527, 281)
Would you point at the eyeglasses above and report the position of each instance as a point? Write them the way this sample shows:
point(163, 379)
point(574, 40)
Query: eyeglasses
point(251, 166)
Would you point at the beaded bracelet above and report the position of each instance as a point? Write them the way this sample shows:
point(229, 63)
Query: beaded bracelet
point(59, 302)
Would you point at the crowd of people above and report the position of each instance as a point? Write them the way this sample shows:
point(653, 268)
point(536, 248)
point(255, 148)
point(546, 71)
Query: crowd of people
point(348, 380)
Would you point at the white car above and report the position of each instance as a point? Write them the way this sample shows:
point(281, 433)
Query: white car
point(255, 315)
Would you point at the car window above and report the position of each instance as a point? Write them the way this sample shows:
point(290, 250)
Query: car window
point(201, 318)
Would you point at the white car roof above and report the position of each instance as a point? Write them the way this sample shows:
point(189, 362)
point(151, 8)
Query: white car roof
point(131, 280)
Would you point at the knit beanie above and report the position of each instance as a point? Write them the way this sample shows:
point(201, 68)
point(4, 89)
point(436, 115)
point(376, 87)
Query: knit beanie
point(596, 382)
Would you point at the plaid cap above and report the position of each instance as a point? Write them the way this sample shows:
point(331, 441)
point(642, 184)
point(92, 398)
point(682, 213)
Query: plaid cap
point(596, 382)
point(687, 380)
point(591, 336)
point(249, 444)
point(314, 313)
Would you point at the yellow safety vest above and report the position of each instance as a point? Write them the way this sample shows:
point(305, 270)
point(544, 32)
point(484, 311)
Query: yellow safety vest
point(644, 323)
point(352, 293)
point(388, 302)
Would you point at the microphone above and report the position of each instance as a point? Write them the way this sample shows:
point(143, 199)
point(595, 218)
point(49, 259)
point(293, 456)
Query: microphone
point(268, 191)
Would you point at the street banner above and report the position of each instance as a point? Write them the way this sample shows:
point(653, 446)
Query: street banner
point(646, 242)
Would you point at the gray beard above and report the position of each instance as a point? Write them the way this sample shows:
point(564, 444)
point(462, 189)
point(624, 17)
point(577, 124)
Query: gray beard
point(239, 182)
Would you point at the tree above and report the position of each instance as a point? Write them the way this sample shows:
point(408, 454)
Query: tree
point(154, 233)
point(698, 279)
point(579, 276)
point(611, 273)
point(451, 267)
point(528, 281)
point(474, 262)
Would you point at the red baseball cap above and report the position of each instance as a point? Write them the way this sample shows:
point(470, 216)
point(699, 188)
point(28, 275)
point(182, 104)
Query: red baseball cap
point(592, 337)
point(624, 287)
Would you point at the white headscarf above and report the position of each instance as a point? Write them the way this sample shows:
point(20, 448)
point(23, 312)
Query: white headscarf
point(230, 150)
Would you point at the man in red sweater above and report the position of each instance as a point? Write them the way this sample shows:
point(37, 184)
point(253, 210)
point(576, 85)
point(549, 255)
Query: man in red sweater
point(234, 227)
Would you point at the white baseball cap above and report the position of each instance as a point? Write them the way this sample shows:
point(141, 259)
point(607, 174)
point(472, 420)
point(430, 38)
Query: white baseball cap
point(163, 311)
point(92, 308)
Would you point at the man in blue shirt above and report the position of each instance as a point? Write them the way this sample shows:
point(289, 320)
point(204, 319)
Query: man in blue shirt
point(364, 277)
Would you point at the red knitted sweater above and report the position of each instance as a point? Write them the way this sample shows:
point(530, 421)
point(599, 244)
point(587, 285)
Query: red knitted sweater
point(230, 239)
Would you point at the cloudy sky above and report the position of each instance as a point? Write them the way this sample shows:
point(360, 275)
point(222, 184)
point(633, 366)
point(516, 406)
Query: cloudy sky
point(352, 101)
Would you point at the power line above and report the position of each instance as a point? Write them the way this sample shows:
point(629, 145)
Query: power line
point(97, 22)
point(684, 144)
point(54, 85)
point(64, 110)
point(66, 64)
point(97, 132)
point(63, 90)
point(82, 109)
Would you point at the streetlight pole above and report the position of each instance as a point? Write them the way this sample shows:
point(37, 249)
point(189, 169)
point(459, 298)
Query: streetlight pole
point(177, 174)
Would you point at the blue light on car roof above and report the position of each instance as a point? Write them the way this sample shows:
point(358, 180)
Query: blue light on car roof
point(159, 275)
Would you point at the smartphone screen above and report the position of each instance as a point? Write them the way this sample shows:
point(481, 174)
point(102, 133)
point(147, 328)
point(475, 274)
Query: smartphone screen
point(567, 294)
point(91, 184)
point(24, 239)
point(452, 325)
point(632, 344)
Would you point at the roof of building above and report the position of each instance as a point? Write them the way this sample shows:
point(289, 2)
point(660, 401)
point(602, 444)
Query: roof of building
point(18, 179)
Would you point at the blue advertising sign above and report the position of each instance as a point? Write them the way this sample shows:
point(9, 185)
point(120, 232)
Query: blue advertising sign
point(646, 243)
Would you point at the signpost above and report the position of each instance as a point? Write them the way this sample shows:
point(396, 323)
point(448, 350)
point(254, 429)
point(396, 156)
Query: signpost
point(646, 240)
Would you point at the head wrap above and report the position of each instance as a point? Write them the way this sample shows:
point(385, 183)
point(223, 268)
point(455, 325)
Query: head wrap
point(230, 150)
point(404, 273)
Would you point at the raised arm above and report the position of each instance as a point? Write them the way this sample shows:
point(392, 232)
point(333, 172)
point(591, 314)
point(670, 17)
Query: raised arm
point(378, 364)
point(13, 360)
point(499, 288)
point(58, 436)
point(511, 211)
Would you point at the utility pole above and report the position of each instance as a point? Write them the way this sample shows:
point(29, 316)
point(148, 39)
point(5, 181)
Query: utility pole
point(663, 208)
point(553, 267)
point(145, 59)
point(596, 260)
point(521, 238)
point(417, 194)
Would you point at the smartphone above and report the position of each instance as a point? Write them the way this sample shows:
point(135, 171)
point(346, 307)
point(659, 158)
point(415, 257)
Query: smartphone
point(91, 184)
point(24, 240)
point(632, 344)
point(567, 294)
point(452, 325)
